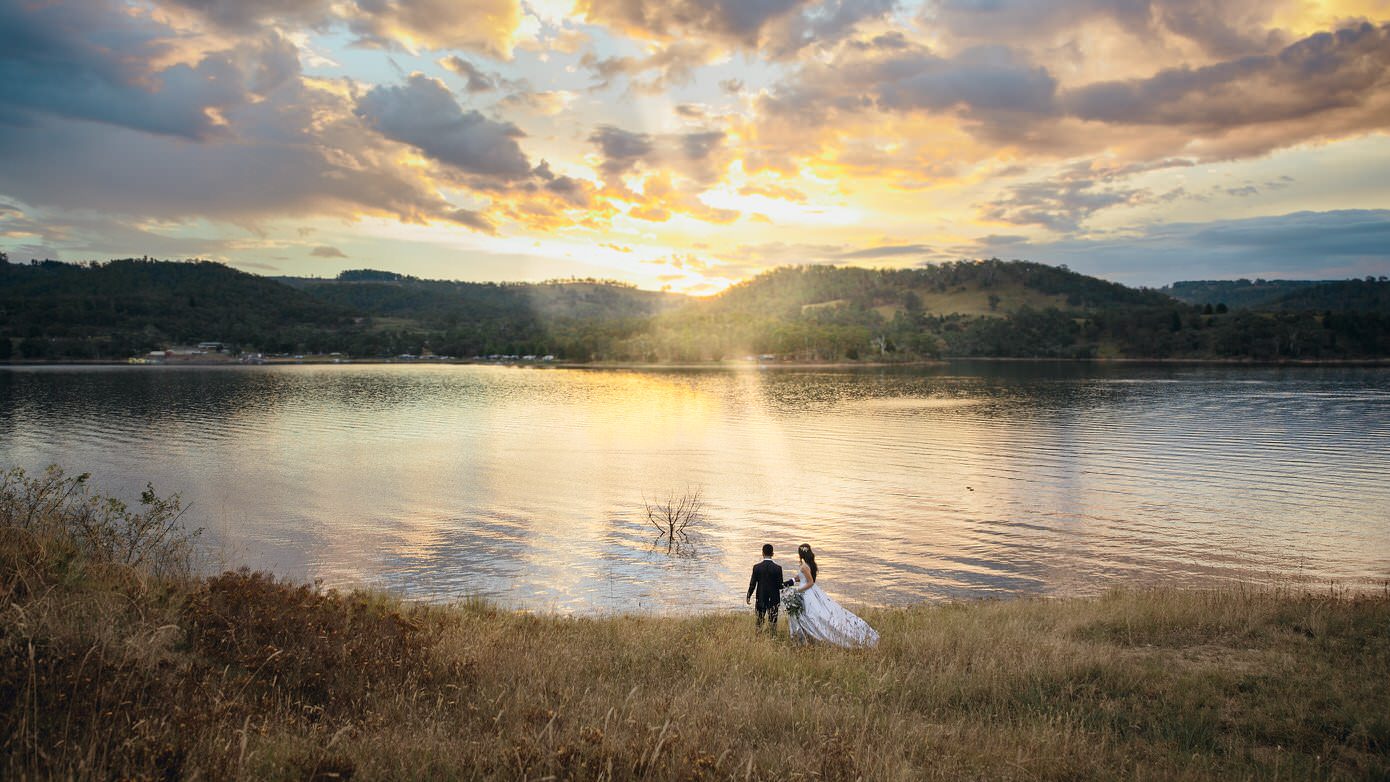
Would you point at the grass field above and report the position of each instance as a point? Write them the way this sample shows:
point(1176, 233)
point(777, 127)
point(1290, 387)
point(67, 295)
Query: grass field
point(117, 669)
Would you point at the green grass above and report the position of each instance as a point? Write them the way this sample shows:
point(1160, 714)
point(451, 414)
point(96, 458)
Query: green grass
point(110, 672)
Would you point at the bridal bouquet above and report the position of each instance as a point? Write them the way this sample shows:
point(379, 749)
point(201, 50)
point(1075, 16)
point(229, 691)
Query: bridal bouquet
point(792, 601)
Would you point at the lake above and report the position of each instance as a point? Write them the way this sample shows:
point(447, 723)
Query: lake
point(528, 486)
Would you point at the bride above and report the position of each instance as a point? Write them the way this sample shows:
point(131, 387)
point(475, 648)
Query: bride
point(821, 618)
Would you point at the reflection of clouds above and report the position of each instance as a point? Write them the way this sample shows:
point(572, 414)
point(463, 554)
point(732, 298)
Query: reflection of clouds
point(526, 487)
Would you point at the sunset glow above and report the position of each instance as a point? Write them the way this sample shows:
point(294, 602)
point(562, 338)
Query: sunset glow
point(691, 144)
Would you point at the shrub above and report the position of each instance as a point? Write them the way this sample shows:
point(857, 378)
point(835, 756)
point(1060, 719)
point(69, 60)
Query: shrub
point(63, 511)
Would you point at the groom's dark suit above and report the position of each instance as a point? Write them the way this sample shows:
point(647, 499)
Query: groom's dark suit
point(767, 582)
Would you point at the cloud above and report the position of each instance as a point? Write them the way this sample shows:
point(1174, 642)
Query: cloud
point(696, 155)
point(326, 251)
point(621, 149)
point(90, 61)
point(1223, 29)
point(893, 76)
point(247, 15)
point(774, 191)
point(484, 26)
point(1324, 86)
point(741, 21)
point(1321, 74)
point(543, 102)
point(779, 27)
point(1313, 245)
point(181, 126)
point(1064, 201)
point(887, 251)
point(675, 65)
point(475, 79)
point(424, 114)
point(487, 27)
point(1059, 206)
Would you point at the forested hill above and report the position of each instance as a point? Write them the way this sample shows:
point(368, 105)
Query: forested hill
point(123, 307)
point(113, 310)
point(968, 287)
point(1365, 295)
point(393, 295)
point(1235, 294)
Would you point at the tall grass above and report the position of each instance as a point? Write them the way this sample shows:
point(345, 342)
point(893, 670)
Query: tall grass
point(110, 671)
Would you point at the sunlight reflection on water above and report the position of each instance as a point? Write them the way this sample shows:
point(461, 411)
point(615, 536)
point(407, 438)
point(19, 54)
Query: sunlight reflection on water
point(527, 486)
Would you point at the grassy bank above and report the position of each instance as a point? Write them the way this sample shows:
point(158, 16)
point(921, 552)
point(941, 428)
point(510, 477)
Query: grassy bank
point(114, 668)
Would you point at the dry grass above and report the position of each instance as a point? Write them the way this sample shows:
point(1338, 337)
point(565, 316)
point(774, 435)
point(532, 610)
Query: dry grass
point(108, 672)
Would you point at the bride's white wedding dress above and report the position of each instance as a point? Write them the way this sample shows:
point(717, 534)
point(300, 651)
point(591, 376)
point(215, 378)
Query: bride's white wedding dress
point(822, 619)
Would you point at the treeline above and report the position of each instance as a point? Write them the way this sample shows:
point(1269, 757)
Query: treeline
point(1369, 294)
point(51, 310)
point(120, 308)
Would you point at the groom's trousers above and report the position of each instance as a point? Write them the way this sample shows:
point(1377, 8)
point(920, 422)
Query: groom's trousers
point(770, 613)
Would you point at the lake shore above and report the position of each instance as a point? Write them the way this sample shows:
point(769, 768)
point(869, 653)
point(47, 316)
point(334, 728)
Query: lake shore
point(716, 365)
point(110, 672)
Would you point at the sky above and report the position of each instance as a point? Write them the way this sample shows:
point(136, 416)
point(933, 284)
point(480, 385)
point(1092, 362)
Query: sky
point(692, 144)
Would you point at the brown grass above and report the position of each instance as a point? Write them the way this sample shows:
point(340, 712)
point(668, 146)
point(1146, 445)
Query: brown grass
point(107, 672)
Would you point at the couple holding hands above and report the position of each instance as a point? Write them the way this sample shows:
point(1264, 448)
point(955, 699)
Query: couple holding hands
point(811, 614)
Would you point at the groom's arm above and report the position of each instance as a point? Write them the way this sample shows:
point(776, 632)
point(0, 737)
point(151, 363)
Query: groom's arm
point(752, 584)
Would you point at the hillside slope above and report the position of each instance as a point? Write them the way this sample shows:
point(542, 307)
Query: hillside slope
point(1235, 294)
point(115, 309)
point(808, 313)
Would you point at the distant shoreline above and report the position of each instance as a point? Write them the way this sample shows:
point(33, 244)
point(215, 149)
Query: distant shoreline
point(733, 365)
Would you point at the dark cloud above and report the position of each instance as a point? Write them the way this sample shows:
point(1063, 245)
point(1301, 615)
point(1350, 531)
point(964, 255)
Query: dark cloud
point(621, 149)
point(1328, 84)
point(1308, 245)
point(1317, 75)
point(887, 251)
point(575, 192)
point(695, 154)
point(1063, 202)
point(778, 27)
point(482, 26)
point(1059, 206)
point(243, 15)
point(1223, 28)
point(87, 60)
point(327, 251)
point(911, 78)
point(738, 20)
point(472, 219)
point(699, 146)
point(424, 114)
point(475, 79)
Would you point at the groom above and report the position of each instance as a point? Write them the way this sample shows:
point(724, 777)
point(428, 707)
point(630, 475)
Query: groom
point(767, 582)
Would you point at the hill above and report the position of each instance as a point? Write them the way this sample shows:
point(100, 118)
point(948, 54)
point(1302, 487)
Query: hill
point(830, 313)
point(1240, 294)
point(129, 306)
point(809, 313)
point(475, 318)
point(1368, 295)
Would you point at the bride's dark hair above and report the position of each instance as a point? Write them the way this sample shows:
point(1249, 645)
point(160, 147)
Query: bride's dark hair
point(809, 557)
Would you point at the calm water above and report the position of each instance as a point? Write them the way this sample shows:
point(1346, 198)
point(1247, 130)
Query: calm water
point(527, 486)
